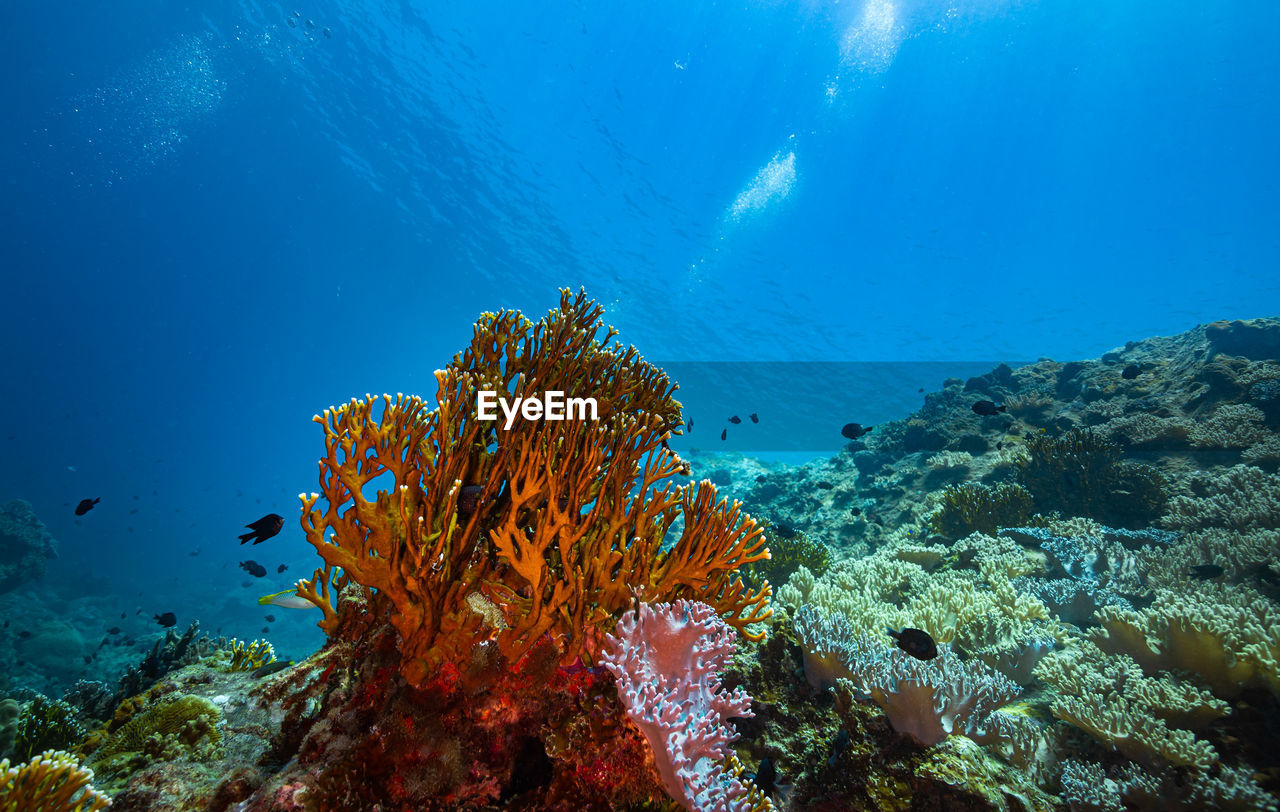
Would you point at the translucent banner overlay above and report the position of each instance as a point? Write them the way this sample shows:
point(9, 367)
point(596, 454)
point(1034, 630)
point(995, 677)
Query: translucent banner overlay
point(800, 406)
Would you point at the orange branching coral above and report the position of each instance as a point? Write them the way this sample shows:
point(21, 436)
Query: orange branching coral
point(556, 524)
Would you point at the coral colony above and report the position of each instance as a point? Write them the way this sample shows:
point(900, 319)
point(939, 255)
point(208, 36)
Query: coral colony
point(1052, 587)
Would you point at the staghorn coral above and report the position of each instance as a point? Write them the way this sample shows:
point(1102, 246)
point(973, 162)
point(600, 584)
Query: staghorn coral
point(51, 782)
point(972, 507)
point(789, 550)
point(1227, 634)
point(1232, 425)
point(1081, 474)
point(554, 522)
point(1243, 555)
point(667, 660)
point(248, 656)
point(1150, 432)
point(1241, 497)
point(1264, 454)
point(46, 724)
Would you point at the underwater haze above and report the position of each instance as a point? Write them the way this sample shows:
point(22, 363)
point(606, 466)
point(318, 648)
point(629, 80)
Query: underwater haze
point(220, 219)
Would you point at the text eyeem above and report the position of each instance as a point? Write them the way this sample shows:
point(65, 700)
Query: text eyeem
point(553, 405)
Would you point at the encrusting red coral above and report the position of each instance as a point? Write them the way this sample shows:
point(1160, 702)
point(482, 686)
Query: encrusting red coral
point(484, 533)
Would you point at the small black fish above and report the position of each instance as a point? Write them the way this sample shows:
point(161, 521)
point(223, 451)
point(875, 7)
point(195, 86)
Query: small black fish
point(122, 614)
point(853, 431)
point(87, 659)
point(735, 420)
point(762, 479)
point(855, 511)
point(755, 418)
point(24, 635)
point(766, 776)
point(838, 744)
point(167, 619)
point(194, 552)
point(786, 531)
point(271, 618)
point(113, 630)
point(724, 434)
point(263, 528)
point(986, 408)
point(86, 505)
point(266, 629)
point(689, 425)
point(915, 642)
point(824, 485)
point(271, 668)
point(921, 390)
point(1130, 372)
point(999, 445)
point(253, 568)
point(1206, 572)
point(469, 499)
point(282, 568)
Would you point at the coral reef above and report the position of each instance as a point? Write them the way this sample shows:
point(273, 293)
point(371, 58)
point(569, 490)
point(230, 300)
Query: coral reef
point(25, 544)
point(539, 616)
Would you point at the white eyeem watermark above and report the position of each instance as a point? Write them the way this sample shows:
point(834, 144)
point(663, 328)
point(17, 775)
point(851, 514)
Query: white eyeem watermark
point(553, 405)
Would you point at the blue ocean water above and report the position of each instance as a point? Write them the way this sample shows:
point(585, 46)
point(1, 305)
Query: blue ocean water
point(219, 219)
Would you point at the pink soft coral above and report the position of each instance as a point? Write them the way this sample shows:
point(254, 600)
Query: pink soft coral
point(667, 660)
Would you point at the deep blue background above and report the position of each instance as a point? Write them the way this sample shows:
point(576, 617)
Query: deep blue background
point(215, 224)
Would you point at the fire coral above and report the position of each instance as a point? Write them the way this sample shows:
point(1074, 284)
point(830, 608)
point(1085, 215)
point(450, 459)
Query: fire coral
point(479, 535)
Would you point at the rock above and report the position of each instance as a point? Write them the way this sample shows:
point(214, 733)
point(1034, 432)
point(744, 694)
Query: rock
point(1257, 339)
point(25, 544)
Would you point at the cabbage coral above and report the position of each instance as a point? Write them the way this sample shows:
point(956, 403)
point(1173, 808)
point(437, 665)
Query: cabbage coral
point(1227, 634)
point(1148, 719)
point(925, 700)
